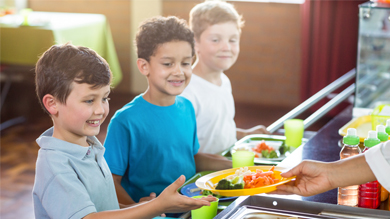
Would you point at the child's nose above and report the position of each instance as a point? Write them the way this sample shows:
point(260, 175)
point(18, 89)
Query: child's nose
point(178, 70)
point(226, 45)
point(99, 109)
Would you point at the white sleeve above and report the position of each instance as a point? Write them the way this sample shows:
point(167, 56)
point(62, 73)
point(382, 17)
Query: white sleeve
point(378, 158)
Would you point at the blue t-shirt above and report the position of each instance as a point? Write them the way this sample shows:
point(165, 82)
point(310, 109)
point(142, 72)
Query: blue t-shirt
point(71, 181)
point(151, 146)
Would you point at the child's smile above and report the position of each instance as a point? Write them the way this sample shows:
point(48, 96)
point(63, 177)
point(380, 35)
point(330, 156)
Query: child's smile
point(168, 72)
point(218, 46)
point(85, 110)
point(176, 83)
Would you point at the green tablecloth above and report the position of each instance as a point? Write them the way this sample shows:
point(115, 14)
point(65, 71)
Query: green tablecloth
point(22, 45)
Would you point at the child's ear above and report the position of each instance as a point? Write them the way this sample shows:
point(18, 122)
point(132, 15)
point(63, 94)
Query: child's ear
point(50, 104)
point(143, 66)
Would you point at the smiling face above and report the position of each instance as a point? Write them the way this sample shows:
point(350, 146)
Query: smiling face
point(218, 47)
point(168, 72)
point(82, 114)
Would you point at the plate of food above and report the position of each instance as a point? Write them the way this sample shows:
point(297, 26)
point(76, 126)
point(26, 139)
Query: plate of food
point(192, 190)
point(265, 150)
point(243, 181)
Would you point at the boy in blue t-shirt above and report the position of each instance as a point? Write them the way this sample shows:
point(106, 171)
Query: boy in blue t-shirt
point(72, 178)
point(152, 140)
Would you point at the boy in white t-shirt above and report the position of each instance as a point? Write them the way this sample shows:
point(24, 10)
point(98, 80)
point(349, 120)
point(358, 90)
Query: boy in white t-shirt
point(217, 29)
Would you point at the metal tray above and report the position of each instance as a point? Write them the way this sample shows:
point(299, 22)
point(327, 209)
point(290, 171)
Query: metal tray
point(250, 140)
point(271, 206)
point(253, 212)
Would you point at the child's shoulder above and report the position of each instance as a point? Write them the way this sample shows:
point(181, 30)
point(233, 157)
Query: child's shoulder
point(181, 100)
point(133, 106)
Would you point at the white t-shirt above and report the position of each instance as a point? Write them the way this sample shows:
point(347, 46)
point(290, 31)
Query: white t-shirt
point(214, 109)
point(378, 158)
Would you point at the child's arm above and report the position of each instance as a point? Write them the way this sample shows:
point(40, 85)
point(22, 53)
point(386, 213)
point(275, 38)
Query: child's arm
point(314, 177)
point(124, 198)
point(169, 201)
point(259, 129)
point(204, 161)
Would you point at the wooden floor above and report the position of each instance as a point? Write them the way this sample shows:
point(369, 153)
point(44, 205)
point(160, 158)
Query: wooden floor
point(19, 152)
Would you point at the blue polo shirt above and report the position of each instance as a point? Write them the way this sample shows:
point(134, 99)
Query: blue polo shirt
point(150, 146)
point(71, 181)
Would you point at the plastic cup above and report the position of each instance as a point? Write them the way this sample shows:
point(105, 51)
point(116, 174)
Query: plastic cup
point(243, 159)
point(205, 212)
point(25, 13)
point(293, 130)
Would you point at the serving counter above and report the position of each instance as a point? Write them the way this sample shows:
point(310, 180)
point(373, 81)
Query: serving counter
point(324, 146)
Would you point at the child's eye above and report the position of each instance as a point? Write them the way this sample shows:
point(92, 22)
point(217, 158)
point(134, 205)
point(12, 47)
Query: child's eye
point(167, 64)
point(186, 64)
point(89, 101)
point(233, 40)
point(215, 40)
point(106, 99)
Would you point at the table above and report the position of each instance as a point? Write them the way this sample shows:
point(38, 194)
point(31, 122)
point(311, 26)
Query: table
point(22, 45)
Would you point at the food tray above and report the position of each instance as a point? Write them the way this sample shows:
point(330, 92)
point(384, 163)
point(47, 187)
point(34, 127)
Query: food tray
point(377, 118)
point(209, 181)
point(362, 125)
point(250, 141)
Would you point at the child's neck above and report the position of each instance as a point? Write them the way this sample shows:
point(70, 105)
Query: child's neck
point(69, 137)
point(158, 100)
point(207, 74)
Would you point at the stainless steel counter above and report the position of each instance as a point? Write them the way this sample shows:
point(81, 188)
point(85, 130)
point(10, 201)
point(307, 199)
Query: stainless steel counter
point(324, 146)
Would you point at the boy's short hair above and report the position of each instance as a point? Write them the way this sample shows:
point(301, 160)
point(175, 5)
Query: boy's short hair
point(61, 65)
point(209, 13)
point(159, 30)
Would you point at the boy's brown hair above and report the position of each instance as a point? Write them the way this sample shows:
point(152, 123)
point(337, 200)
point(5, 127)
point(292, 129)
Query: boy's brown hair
point(158, 30)
point(63, 64)
point(209, 13)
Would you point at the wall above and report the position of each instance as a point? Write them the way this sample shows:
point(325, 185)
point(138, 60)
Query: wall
point(268, 68)
point(267, 71)
point(118, 16)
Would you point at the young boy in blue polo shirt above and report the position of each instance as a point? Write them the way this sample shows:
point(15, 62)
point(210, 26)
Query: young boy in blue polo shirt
point(72, 177)
point(152, 140)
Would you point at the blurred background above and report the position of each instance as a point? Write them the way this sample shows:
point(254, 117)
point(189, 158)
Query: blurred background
point(290, 49)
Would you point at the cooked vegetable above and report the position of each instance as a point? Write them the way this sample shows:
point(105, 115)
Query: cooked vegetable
point(269, 154)
point(239, 183)
point(260, 178)
point(236, 183)
point(206, 192)
point(283, 149)
point(224, 184)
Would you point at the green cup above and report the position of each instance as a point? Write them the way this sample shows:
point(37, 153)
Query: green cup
point(293, 130)
point(25, 13)
point(205, 212)
point(243, 159)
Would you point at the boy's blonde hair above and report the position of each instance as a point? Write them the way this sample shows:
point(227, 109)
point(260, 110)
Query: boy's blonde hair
point(213, 12)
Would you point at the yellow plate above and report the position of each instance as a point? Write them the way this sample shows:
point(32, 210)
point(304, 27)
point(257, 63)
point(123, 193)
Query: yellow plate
point(209, 181)
point(362, 125)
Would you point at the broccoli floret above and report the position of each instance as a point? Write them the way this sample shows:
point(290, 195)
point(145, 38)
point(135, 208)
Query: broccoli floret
point(224, 184)
point(207, 192)
point(238, 186)
point(267, 154)
point(239, 183)
point(273, 154)
point(283, 149)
